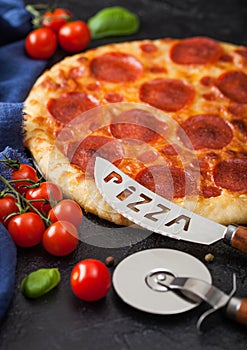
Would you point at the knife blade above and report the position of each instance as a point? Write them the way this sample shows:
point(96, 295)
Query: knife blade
point(157, 214)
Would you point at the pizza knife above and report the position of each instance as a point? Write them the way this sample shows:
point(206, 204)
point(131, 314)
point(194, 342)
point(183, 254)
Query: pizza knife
point(157, 214)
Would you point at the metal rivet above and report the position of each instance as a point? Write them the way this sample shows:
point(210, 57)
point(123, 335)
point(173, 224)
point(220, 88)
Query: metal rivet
point(155, 276)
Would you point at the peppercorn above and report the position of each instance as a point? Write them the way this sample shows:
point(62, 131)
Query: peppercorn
point(109, 261)
point(209, 257)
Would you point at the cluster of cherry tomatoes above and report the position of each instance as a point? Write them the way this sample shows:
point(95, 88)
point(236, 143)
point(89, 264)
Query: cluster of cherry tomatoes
point(35, 212)
point(57, 28)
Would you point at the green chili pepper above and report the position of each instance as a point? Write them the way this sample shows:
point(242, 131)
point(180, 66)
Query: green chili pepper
point(113, 21)
point(39, 282)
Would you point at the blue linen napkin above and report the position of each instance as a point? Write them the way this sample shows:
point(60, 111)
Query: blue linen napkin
point(14, 21)
point(7, 246)
point(17, 71)
point(7, 269)
point(17, 74)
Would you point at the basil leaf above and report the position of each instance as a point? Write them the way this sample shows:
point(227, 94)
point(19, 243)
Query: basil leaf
point(113, 21)
point(40, 282)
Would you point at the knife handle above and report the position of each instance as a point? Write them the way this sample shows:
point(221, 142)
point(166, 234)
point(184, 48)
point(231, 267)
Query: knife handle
point(236, 236)
point(237, 310)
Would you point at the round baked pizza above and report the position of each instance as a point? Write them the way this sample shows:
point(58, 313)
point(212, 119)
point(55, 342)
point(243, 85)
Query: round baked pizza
point(170, 113)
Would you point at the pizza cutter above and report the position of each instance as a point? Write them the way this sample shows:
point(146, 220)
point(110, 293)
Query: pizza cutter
point(167, 281)
point(157, 214)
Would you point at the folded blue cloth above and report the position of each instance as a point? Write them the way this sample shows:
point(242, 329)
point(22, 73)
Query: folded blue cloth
point(17, 71)
point(7, 247)
point(15, 21)
point(7, 250)
point(17, 74)
point(10, 125)
point(7, 269)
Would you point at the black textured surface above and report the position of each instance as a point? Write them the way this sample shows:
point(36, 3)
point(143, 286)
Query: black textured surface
point(59, 320)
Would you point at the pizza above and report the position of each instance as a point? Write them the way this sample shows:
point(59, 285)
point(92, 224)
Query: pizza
point(171, 113)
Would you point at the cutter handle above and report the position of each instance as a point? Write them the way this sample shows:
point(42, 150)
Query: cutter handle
point(236, 236)
point(237, 310)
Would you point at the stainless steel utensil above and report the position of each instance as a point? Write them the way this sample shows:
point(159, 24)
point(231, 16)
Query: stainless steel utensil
point(157, 214)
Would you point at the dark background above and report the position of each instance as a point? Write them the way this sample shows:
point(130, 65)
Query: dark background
point(59, 320)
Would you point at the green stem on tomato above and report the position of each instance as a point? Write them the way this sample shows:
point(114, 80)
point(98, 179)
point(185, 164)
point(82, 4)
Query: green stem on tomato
point(19, 203)
point(38, 11)
point(21, 197)
point(37, 17)
point(33, 10)
point(4, 192)
point(14, 164)
point(33, 184)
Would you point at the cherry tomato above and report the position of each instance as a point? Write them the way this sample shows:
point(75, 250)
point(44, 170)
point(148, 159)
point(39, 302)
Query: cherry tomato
point(47, 191)
point(7, 207)
point(25, 171)
point(41, 43)
point(61, 238)
point(56, 19)
point(26, 229)
point(90, 280)
point(74, 36)
point(66, 210)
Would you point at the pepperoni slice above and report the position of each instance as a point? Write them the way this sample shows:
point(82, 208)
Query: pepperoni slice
point(232, 174)
point(157, 69)
point(116, 67)
point(149, 48)
point(169, 182)
point(137, 124)
point(94, 86)
point(207, 80)
point(70, 105)
point(169, 95)
point(84, 155)
point(206, 131)
point(238, 110)
point(233, 85)
point(197, 50)
point(210, 96)
point(113, 97)
point(226, 58)
point(211, 191)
